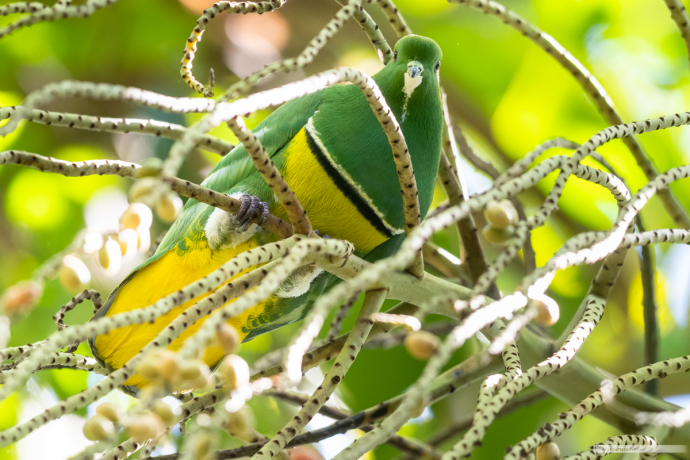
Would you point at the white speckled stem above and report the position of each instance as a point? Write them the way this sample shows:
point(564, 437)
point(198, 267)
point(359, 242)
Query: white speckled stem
point(591, 86)
point(599, 451)
point(596, 399)
point(103, 325)
point(195, 37)
point(275, 180)
point(61, 10)
point(117, 125)
point(292, 259)
point(104, 92)
point(372, 304)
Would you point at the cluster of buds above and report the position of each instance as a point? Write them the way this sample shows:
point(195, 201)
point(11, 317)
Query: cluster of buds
point(501, 216)
point(165, 368)
point(108, 249)
point(110, 418)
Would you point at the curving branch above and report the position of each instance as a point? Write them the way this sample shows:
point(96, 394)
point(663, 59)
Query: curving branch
point(195, 37)
point(125, 169)
point(103, 92)
point(396, 20)
point(61, 10)
point(118, 125)
point(589, 83)
point(372, 31)
point(372, 304)
point(596, 399)
point(303, 59)
point(682, 20)
point(607, 447)
point(21, 7)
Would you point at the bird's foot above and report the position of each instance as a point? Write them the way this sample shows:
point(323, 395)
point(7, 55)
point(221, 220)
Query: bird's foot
point(318, 233)
point(249, 204)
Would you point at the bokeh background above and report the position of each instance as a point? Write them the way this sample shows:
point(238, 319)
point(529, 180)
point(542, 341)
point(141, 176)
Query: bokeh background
point(507, 94)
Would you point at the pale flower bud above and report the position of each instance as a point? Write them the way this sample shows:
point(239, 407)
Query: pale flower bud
point(421, 344)
point(548, 451)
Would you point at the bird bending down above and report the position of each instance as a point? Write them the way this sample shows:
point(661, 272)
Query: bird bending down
point(335, 156)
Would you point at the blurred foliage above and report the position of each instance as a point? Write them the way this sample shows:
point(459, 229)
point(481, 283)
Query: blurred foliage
point(507, 94)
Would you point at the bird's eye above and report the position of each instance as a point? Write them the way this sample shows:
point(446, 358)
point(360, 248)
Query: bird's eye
point(438, 66)
point(395, 55)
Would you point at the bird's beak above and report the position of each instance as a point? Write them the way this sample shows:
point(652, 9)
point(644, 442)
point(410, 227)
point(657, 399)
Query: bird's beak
point(414, 68)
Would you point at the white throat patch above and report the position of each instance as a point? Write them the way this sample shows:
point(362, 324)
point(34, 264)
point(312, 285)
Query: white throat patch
point(411, 83)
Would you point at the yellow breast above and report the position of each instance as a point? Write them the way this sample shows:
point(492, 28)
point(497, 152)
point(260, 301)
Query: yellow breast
point(329, 209)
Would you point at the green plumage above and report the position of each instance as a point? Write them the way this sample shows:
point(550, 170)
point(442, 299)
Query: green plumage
point(343, 122)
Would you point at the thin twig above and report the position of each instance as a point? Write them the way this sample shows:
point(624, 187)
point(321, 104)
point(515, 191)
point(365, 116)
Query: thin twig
point(58, 11)
point(680, 17)
point(650, 311)
point(591, 86)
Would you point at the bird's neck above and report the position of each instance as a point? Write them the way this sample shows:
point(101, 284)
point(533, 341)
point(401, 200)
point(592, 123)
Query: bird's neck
point(421, 118)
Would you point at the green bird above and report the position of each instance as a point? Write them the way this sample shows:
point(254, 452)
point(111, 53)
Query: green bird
point(333, 153)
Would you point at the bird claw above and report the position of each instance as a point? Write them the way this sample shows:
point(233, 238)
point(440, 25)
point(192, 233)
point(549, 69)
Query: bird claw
point(249, 205)
point(318, 233)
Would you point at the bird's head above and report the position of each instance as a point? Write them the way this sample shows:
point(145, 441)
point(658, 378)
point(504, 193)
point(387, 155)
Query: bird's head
point(419, 60)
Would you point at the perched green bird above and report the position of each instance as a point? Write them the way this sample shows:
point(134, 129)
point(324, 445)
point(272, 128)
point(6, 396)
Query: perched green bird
point(335, 156)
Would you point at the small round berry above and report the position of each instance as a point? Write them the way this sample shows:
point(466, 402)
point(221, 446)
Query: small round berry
point(104, 257)
point(235, 371)
point(73, 274)
point(98, 428)
point(548, 311)
point(497, 236)
point(145, 427)
point(142, 189)
point(128, 240)
point(500, 214)
point(167, 366)
point(164, 411)
point(137, 215)
point(202, 446)
point(150, 167)
point(21, 297)
point(548, 451)
point(421, 344)
point(111, 411)
point(169, 207)
point(305, 453)
point(241, 424)
point(228, 338)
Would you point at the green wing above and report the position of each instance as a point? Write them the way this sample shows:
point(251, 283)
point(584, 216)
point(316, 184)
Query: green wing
point(237, 167)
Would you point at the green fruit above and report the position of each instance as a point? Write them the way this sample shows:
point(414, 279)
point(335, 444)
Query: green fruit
point(499, 237)
point(500, 214)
